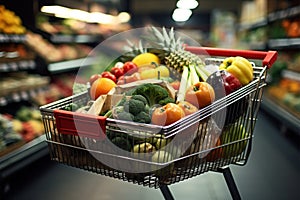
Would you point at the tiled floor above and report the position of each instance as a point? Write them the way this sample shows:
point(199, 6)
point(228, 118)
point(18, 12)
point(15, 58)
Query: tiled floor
point(272, 172)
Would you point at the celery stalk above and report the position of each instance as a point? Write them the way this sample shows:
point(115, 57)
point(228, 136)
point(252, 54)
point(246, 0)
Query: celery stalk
point(183, 84)
point(202, 72)
point(193, 74)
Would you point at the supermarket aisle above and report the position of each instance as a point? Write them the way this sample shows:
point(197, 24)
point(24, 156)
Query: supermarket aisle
point(273, 172)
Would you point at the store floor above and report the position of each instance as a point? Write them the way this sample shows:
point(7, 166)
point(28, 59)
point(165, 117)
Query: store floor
point(272, 172)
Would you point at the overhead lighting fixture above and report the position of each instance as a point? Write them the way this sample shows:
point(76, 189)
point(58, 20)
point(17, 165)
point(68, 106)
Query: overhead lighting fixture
point(187, 4)
point(181, 15)
point(93, 17)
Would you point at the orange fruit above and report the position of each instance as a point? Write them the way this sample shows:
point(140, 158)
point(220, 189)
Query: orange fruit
point(145, 59)
point(100, 87)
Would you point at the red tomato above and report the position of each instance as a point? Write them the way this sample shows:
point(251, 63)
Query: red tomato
point(94, 77)
point(130, 68)
point(109, 75)
point(117, 71)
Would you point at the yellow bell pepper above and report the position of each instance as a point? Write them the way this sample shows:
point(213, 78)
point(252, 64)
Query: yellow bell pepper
point(239, 67)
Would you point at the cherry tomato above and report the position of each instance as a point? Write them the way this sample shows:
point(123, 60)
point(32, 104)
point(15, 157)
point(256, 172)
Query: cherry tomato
point(94, 77)
point(109, 75)
point(117, 71)
point(130, 67)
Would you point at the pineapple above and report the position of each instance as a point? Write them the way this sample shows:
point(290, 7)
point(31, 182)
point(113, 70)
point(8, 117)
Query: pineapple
point(169, 48)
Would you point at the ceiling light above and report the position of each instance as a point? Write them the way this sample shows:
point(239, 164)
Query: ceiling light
point(91, 17)
point(181, 15)
point(124, 17)
point(187, 4)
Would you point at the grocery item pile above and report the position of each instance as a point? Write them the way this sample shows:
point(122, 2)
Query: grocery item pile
point(153, 88)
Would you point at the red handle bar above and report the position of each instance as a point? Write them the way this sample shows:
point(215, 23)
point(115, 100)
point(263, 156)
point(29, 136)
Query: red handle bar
point(268, 57)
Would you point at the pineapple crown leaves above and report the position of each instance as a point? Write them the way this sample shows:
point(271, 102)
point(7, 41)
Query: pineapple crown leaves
point(131, 50)
point(163, 40)
point(131, 47)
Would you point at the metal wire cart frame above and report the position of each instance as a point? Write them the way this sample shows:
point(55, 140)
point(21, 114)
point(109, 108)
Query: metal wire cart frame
point(80, 140)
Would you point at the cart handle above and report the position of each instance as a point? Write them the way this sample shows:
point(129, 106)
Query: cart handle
point(268, 57)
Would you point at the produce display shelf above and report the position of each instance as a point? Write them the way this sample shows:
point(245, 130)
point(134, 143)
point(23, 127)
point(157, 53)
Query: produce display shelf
point(69, 65)
point(85, 38)
point(13, 38)
point(22, 156)
point(284, 43)
point(248, 26)
point(21, 95)
point(281, 113)
point(19, 65)
point(282, 14)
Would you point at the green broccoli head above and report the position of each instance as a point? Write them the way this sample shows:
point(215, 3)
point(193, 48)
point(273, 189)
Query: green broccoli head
point(140, 98)
point(152, 92)
point(142, 117)
point(118, 112)
point(134, 106)
point(126, 116)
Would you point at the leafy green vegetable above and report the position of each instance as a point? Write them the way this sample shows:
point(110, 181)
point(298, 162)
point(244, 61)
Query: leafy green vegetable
point(142, 117)
point(166, 101)
point(134, 106)
point(140, 98)
point(152, 92)
point(126, 116)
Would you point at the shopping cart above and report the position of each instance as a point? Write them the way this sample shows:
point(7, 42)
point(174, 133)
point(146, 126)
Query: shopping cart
point(80, 140)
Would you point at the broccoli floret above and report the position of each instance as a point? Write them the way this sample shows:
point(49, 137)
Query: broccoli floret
point(126, 116)
point(121, 102)
point(142, 117)
point(140, 98)
point(134, 106)
point(166, 101)
point(118, 112)
point(152, 92)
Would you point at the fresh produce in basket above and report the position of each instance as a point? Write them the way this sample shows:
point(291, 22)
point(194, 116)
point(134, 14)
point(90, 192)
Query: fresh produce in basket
point(101, 86)
point(162, 157)
point(157, 72)
point(200, 94)
point(138, 103)
point(167, 114)
point(187, 107)
point(130, 68)
point(145, 59)
point(223, 83)
point(240, 67)
point(233, 133)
